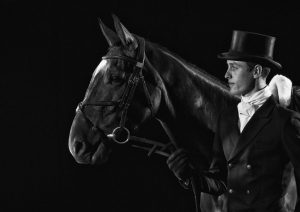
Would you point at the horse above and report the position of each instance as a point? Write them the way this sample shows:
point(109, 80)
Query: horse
point(138, 81)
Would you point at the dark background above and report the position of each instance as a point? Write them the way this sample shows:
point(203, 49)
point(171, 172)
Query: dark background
point(51, 49)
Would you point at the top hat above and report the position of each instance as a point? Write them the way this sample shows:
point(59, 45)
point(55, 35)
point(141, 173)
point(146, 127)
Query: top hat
point(252, 47)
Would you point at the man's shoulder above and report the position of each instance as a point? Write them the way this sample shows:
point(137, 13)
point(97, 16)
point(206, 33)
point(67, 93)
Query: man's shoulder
point(287, 111)
point(289, 115)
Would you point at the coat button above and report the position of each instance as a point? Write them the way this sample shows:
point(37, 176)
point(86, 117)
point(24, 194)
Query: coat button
point(230, 191)
point(248, 166)
point(247, 191)
point(229, 165)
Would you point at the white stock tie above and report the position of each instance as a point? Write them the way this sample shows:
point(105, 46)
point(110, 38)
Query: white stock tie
point(250, 104)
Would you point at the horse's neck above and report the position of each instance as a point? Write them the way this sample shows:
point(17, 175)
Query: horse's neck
point(191, 102)
point(191, 91)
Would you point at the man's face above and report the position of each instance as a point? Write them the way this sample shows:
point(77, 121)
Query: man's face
point(240, 78)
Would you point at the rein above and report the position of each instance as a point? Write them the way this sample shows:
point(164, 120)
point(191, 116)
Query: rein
point(121, 134)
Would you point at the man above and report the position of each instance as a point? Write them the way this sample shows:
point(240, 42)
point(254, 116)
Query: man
point(255, 141)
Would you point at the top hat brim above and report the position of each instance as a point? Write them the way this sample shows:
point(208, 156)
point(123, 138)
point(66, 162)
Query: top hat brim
point(265, 61)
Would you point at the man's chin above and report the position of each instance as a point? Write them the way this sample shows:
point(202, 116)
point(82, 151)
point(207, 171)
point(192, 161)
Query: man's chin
point(234, 92)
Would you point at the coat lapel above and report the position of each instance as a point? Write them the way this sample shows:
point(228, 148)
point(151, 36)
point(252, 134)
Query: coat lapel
point(260, 118)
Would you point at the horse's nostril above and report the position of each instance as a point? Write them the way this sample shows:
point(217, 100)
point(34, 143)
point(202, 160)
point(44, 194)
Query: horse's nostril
point(77, 146)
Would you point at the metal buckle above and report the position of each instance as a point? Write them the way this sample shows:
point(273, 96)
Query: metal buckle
point(139, 65)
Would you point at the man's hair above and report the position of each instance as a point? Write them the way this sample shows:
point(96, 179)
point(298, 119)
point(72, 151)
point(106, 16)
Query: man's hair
point(265, 70)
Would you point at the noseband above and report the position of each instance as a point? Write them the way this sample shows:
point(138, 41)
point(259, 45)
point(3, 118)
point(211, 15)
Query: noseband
point(121, 134)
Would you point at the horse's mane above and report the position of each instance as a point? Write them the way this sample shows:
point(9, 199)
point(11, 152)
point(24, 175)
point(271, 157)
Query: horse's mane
point(211, 80)
point(214, 91)
point(193, 69)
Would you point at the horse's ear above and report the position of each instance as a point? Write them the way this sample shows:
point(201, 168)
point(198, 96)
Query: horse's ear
point(126, 37)
point(110, 36)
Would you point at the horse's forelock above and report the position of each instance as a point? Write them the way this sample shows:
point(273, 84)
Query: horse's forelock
point(105, 67)
point(121, 50)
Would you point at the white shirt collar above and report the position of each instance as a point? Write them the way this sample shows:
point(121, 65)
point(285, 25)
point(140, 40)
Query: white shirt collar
point(258, 98)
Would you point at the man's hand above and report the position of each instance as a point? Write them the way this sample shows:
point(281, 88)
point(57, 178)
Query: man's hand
point(179, 163)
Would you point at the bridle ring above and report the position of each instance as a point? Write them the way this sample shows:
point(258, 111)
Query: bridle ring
point(115, 135)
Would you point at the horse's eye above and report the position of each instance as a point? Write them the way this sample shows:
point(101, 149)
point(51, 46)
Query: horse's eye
point(116, 78)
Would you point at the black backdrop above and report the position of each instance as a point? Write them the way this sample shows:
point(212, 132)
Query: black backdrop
point(51, 50)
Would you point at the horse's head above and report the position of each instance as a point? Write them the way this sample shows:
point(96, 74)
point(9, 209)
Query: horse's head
point(120, 97)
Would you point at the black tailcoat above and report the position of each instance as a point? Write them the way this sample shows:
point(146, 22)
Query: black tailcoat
point(255, 159)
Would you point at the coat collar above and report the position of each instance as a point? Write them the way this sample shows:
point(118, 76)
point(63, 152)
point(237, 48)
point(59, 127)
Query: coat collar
point(260, 118)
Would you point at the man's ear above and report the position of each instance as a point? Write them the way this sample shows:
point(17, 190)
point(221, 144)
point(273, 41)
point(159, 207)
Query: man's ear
point(257, 71)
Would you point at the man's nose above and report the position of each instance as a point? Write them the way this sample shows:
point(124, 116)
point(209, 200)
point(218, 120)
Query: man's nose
point(227, 74)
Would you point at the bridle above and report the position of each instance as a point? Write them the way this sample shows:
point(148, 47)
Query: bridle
point(164, 149)
point(121, 134)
